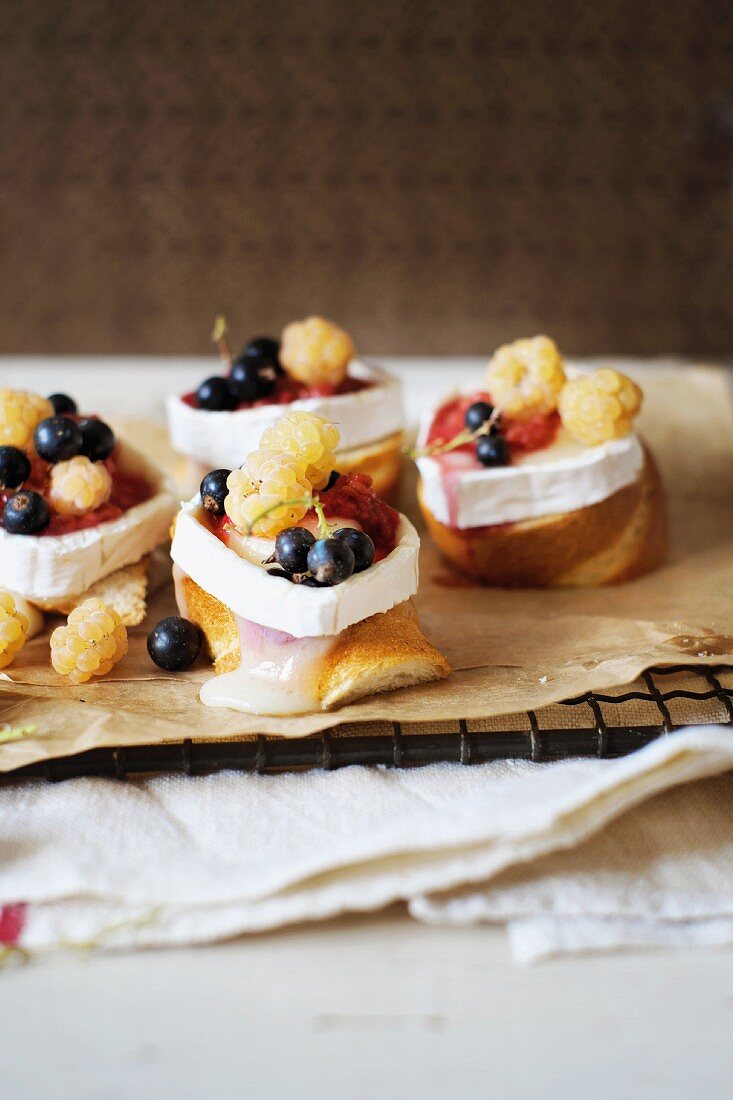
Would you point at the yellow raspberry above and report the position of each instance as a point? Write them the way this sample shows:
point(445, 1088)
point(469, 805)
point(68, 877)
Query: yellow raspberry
point(599, 407)
point(20, 411)
point(267, 479)
point(525, 378)
point(79, 485)
point(310, 439)
point(92, 642)
point(13, 629)
point(315, 351)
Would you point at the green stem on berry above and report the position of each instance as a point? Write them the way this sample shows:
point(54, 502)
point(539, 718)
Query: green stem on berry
point(441, 446)
point(220, 336)
point(324, 528)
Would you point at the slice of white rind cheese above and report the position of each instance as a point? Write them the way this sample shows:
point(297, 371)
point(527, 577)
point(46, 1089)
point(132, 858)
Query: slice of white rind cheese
point(224, 439)
point(249, 591)
point(49, 567)
point(557, 479)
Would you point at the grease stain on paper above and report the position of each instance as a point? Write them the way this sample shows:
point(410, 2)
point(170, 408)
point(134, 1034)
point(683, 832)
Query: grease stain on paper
point(703, 645)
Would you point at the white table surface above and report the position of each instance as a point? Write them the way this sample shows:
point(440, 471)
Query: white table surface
point(367, 1007)
point(361, 1007)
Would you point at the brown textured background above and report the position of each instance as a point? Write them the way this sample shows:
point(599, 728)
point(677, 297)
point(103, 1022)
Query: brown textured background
point(435, 176)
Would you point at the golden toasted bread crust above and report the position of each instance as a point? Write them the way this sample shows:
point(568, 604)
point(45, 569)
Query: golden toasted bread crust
point(217, 623)
point(380, 653)
point(381, 460)
point(615, 540)
point(124, 591)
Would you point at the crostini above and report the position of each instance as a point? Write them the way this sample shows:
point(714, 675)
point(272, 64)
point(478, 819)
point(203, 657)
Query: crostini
point(300, 579)
point(81, 510)
point(539, 479)
point(313, 368)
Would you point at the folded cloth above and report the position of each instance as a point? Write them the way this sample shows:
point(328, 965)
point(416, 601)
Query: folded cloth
point(661, 875)
point(175, 860)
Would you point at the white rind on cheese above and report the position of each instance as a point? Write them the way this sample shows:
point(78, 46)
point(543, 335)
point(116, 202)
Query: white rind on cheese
point(249, 591)
point(224, 439)
point(49, 567)
point(557, 479)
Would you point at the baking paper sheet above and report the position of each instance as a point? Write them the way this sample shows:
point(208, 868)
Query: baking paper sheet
point(510, 650)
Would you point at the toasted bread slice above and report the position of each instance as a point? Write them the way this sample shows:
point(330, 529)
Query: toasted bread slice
point(124, 591)
point(615, 540)
point(381, 653)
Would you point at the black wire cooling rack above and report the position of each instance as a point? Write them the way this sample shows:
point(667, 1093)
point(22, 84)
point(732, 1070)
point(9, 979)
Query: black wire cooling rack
point(538, 736)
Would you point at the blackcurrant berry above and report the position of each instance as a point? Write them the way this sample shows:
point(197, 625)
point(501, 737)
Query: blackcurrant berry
point(26, 513)
point(291, 549)
point(361, 546)
point(331, 561)
point(492, 450)
point(58, 438)
point(174, 643)
point(214, 490)
point(477, 415)
point(263, 349)
point(63, 405)
point(244, 380)
point(98, 439)
point(215, 395)
point(15, 467)
point(267, 378)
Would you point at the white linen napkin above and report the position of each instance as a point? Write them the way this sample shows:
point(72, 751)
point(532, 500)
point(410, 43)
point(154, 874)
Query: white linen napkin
point(573, 855)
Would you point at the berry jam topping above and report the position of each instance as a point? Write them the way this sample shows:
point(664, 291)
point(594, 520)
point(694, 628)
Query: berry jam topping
point(127, 490)
point(533, 433)
point(285, 390)
point(352, 497)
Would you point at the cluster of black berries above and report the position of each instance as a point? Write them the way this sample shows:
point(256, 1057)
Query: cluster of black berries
point(252, 376)
point(492, 448)
point(56, 439)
